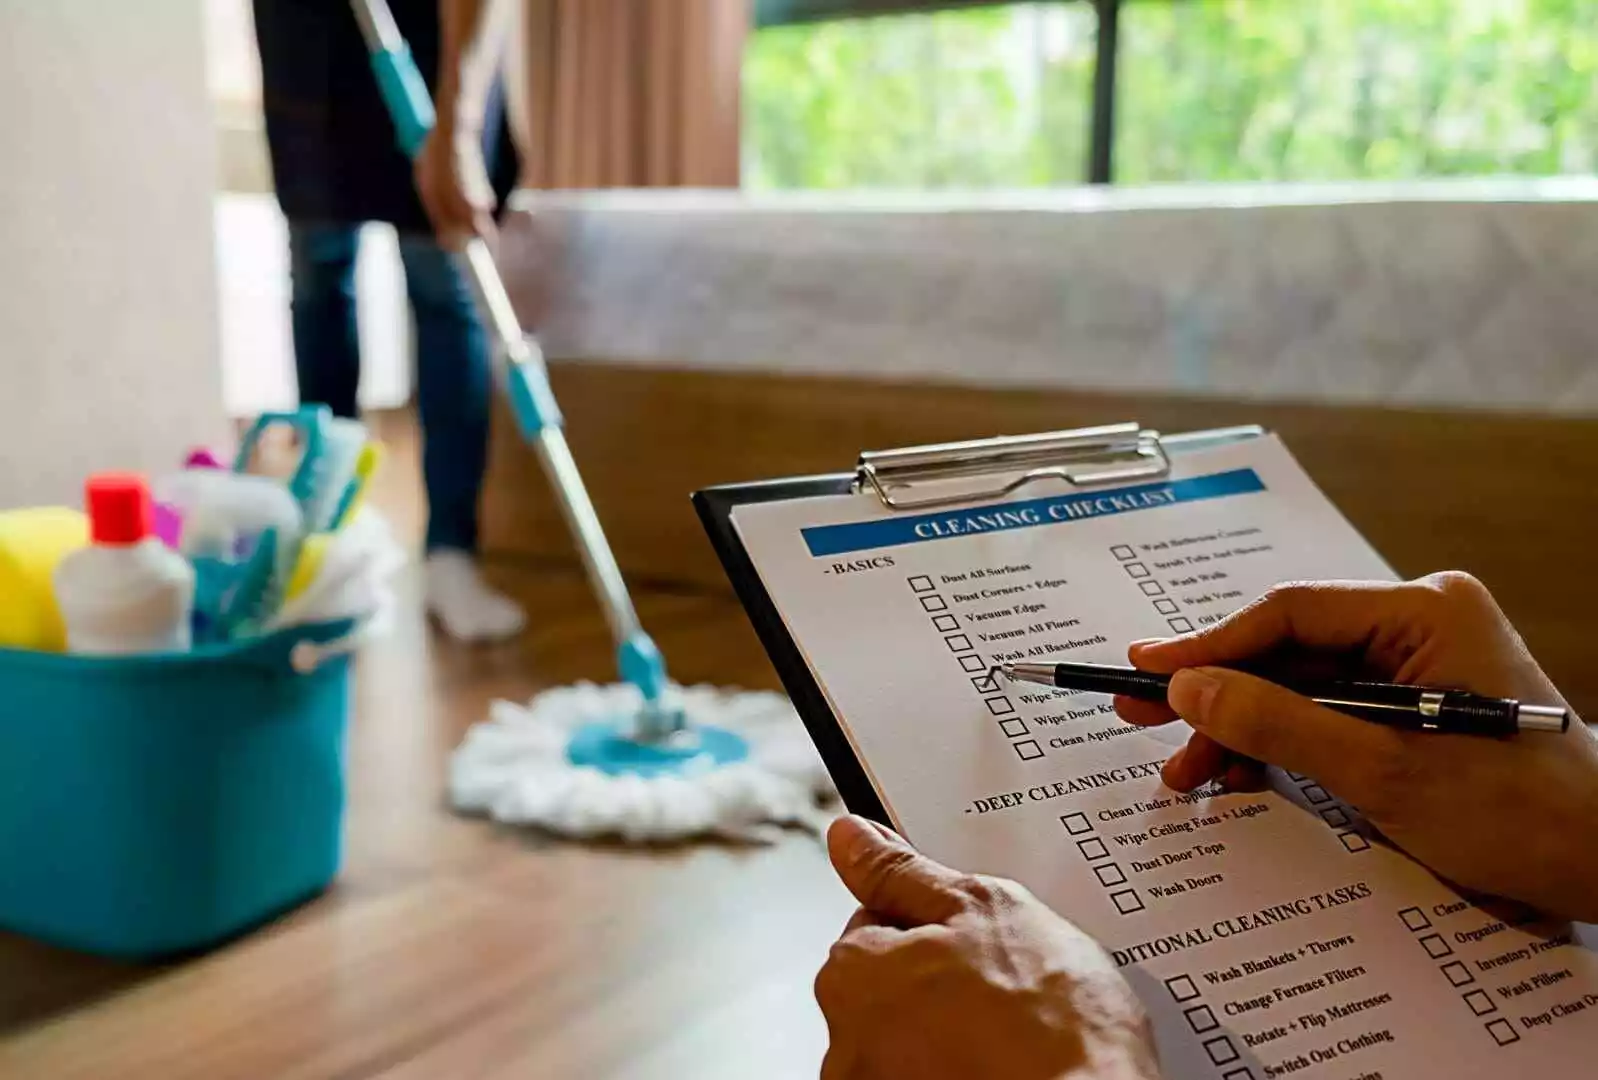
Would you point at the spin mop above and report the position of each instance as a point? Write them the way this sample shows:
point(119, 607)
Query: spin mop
point(644, 759)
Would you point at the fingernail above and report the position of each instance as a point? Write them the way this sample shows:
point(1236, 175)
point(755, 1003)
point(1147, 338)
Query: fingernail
point(1146, 643)
point(850, 838)
point(1191, 694)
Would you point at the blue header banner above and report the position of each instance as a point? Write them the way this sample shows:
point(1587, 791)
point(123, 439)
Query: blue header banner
point(1058, 510)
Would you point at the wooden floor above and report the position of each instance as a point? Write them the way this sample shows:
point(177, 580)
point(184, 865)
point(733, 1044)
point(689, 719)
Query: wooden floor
point(450, 948)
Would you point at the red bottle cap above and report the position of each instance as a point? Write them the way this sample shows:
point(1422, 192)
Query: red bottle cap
point(119, 508)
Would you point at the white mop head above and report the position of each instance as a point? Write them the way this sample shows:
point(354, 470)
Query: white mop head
point(513, 768)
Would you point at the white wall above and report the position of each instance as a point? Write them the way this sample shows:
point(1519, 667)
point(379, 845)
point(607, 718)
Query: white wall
point(108, 325)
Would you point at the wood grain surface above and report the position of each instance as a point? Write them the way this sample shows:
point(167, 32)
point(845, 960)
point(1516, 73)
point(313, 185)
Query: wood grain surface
point(1505, 497)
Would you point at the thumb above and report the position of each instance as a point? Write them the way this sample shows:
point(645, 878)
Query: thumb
point(1275, 725)
point(890, 878)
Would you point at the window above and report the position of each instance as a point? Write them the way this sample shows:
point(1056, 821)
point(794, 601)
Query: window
point(840, 95)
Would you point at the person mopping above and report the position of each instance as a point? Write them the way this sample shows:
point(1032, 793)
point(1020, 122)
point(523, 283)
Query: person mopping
point(335, 167)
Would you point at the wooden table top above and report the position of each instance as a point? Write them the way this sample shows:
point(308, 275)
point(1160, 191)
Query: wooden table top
point(455, 948)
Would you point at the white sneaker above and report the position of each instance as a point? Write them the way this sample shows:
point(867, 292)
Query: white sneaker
point(465, 605)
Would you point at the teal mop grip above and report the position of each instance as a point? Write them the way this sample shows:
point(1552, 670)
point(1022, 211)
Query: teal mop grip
point(405, 94)
point(640, 663)
point(531, 400)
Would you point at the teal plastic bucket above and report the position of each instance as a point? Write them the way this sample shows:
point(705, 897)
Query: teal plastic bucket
point(155, 805)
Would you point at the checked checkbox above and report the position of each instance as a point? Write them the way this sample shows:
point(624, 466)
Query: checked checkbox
point(999, 706)
point(1166, 606)
point(1335, 816)
point(958, 642)
point(1415, 919)
point(1127, 901)
point(1457, 974)
point(1015, 727)
point(1182, 988)
point(1436, 946)
point(1151, 588)
point(946, 623)
point(972, 662)
point(985, 684)
point(933, 603)
point(1201, 1018)
point(1354, 841)
point(921, 583)
point(1480, 1003)
point(1028, 751)
point(1093, 848)
point(1110, 874)
point(1182, 625)
point(1076, 824)
point(1137, 570)
point(1123, 552)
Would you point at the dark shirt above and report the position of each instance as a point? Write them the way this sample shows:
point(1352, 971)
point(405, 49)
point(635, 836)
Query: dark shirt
point(334, 158)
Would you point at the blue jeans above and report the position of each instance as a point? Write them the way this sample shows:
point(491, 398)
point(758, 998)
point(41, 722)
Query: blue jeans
point(453, 371)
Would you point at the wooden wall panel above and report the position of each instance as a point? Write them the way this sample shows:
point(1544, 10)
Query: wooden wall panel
point(1506, 497)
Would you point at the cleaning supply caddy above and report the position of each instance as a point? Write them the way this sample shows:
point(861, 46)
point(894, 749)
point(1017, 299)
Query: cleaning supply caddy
point(176, 776)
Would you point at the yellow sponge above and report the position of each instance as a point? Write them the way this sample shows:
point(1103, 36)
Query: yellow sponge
point(32, 543)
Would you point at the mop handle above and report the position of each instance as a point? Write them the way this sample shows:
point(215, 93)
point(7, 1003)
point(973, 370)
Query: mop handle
point(538, 416)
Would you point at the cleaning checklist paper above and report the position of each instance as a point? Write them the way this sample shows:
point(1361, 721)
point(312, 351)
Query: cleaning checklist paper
point(1270, 935)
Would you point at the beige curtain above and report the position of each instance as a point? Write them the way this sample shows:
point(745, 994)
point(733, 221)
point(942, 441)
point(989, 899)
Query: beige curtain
point(630, 93)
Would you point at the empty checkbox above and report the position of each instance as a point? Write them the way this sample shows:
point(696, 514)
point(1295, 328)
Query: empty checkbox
point(1201, 1018)
point(1151, 588)
point(1166, 606)
point(1127, 901)
point(1297, 778)
point(1503, 1032)
point(958, 642)
point(1076, 824)
point(985, 684)
point(1415, 919)
point(1221, 1050)
point(1110, 874)
point(1137, 570)
point(972, 663)
point(1335, 816)
point(1245, 1073)
point(1015, 727)
point(1480, 1003)
point(921, 583)
point(1180, 625)
point(999, 706)
point(1182, 988)
point(1123, 552)
point(1436, 946)
point(1316, 794)
point(1028, 751)
point(934, 603)
point(1093, 848)
point(1354, 841)
point(946, 623)
point(1458, 974)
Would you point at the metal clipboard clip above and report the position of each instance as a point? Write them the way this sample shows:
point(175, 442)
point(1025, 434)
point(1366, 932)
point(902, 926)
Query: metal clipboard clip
point(919, 477)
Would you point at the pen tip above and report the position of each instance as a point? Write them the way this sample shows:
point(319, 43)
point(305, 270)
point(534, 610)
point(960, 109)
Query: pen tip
point(999, 669)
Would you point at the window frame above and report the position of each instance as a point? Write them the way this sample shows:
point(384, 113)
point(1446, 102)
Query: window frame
point(1101, 109)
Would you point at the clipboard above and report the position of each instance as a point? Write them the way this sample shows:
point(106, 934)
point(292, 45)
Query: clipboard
point(915, 479)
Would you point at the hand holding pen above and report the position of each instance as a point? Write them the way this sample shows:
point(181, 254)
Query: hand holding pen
point(1492, 815)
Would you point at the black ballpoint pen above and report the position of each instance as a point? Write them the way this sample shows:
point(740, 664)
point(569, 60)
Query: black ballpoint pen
point(1413, 708)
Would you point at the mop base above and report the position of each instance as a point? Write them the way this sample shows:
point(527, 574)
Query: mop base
point(570, 763)
point(689, 752)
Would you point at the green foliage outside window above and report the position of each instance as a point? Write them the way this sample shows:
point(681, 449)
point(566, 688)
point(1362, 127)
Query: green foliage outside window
point(1208, 90)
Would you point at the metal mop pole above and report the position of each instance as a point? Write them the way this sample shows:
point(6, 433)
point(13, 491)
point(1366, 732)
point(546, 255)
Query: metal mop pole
point(537, 415)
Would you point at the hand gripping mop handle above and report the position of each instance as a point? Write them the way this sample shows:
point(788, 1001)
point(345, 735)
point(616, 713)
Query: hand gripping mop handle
point(537, 415)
